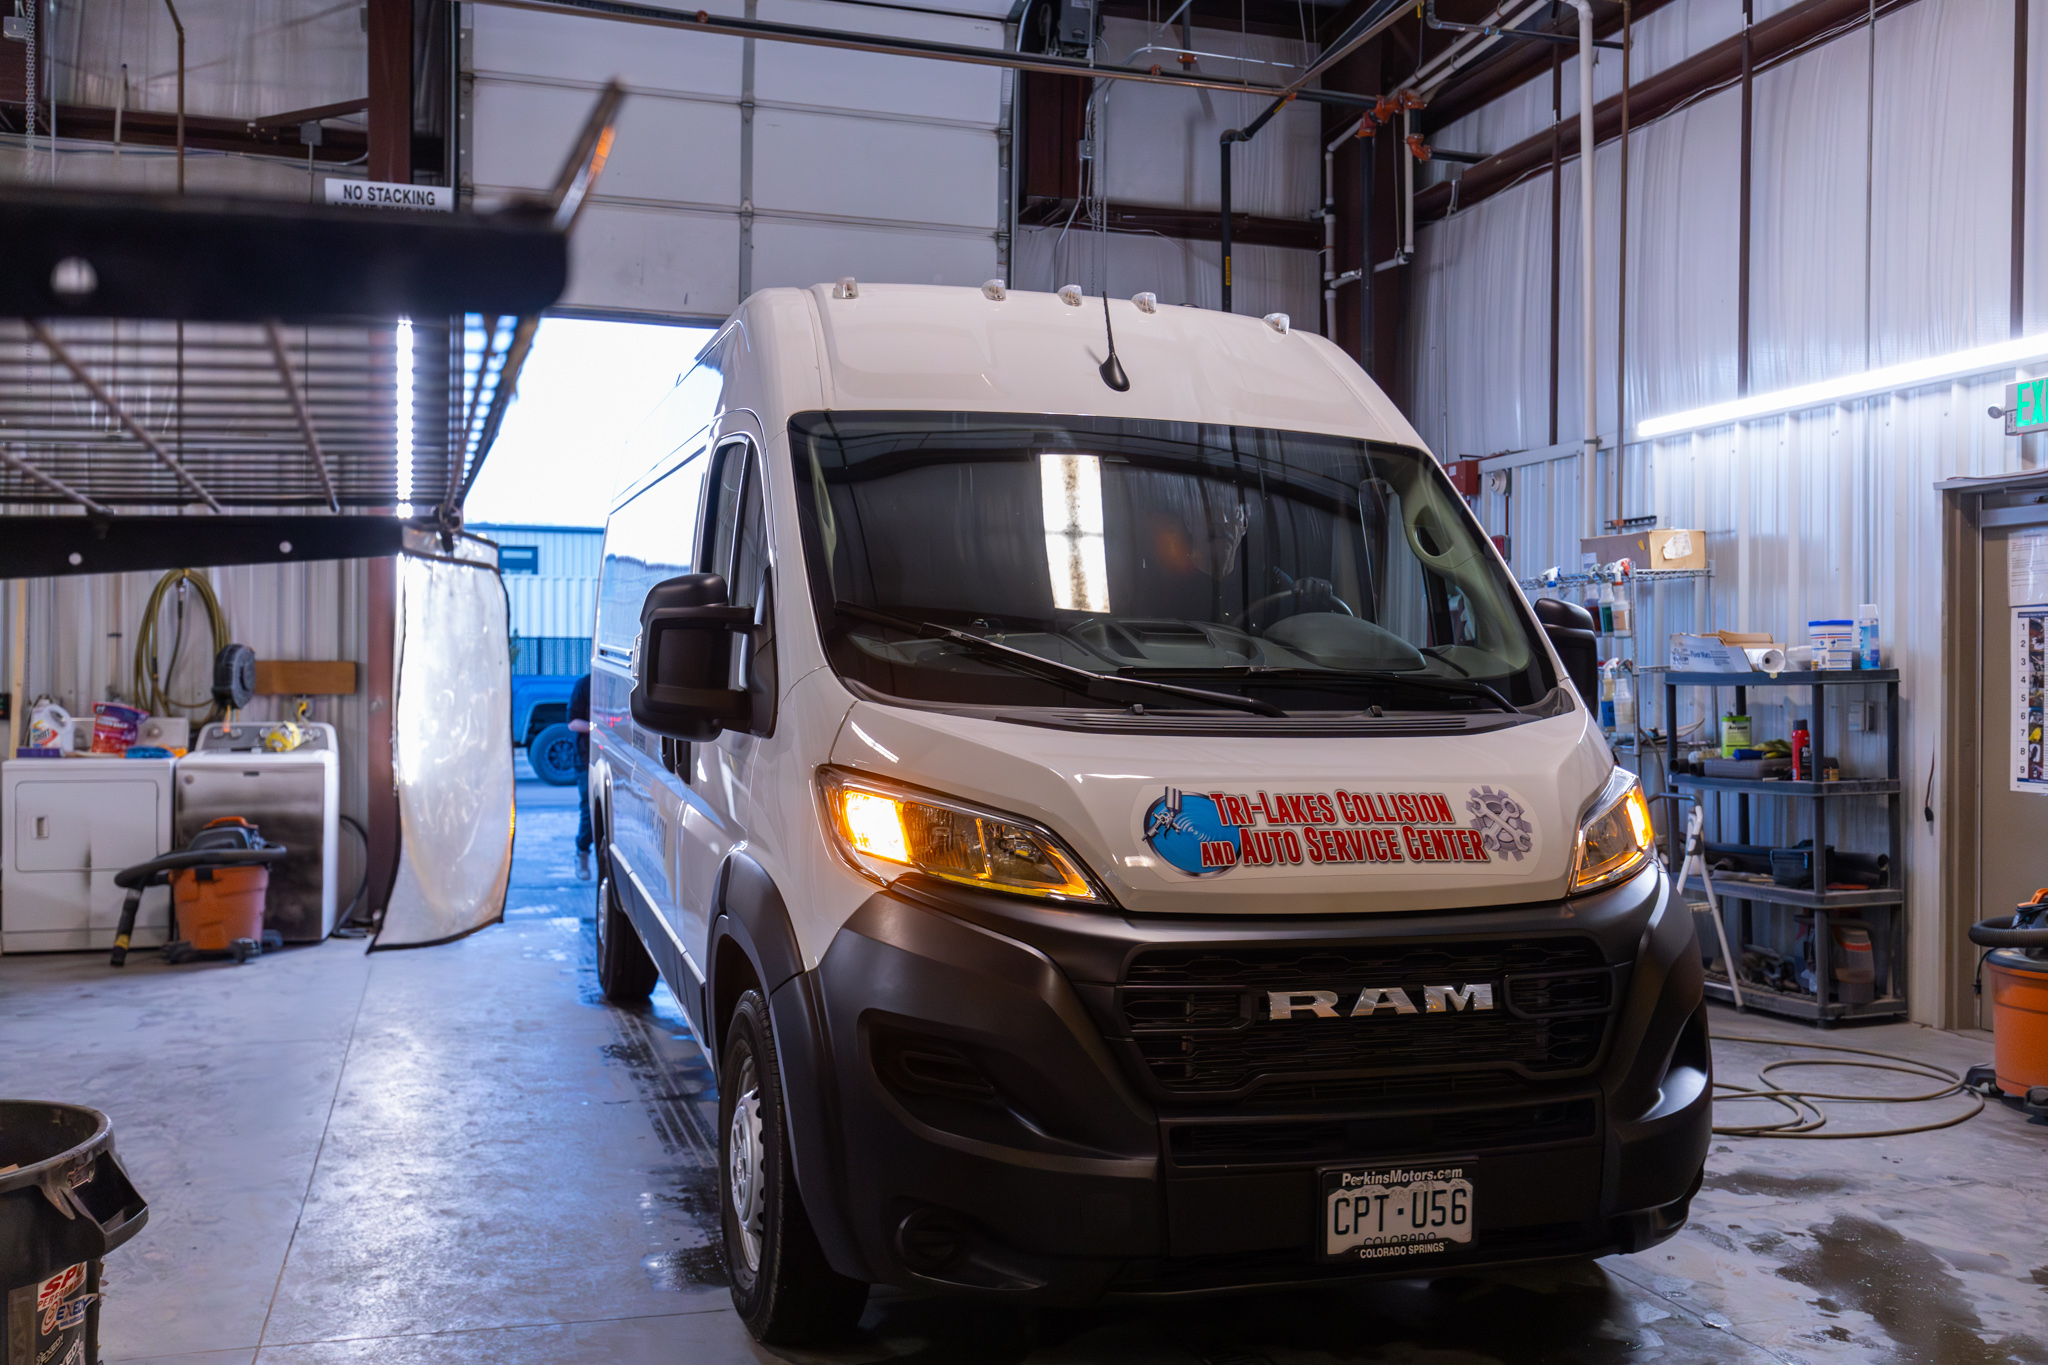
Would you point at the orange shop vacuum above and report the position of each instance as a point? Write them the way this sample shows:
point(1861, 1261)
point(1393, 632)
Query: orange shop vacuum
point(2017, 963)
point(219, 883)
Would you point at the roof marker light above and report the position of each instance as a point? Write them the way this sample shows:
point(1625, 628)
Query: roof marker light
point(993, 289)
point(1148, 302)
point(847, 288)
point(1279, 322)
point(1070, 295)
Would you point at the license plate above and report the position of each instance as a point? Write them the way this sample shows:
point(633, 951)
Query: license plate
point(1375, 1213)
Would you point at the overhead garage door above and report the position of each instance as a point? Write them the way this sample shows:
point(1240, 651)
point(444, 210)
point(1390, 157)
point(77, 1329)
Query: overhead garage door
point(743, 164)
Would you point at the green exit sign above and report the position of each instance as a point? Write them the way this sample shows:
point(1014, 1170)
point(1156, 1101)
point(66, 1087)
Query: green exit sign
point(2026, 407)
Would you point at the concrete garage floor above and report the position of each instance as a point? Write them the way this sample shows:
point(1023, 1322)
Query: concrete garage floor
point(460, 1154)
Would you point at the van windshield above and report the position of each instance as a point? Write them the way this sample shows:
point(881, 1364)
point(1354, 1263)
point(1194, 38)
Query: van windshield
point(1305, 572)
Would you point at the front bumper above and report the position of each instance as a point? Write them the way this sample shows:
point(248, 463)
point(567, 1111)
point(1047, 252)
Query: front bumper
point(973, 1109)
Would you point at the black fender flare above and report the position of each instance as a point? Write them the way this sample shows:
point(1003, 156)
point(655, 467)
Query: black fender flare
point(752, 921)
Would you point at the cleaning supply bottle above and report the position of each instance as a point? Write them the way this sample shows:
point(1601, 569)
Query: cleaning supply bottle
point(1607, 697)
point(1624, 704)
point(1606, 612)
point(1866, 636)
point(1802, 752)
point(1623, 615)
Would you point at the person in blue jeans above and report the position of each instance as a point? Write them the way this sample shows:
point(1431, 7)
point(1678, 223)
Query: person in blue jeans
point(579, 721)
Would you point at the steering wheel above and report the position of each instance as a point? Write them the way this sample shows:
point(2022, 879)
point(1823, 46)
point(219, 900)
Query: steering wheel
point(1308, 594)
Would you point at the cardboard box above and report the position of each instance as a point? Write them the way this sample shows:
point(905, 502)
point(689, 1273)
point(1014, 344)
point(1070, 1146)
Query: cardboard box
point(1676, 548)
point(1673, 548)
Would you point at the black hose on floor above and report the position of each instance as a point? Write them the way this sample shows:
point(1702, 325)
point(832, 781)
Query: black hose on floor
point(1808, 1118)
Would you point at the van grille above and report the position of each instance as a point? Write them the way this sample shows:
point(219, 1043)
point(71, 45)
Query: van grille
point(1196, 1020)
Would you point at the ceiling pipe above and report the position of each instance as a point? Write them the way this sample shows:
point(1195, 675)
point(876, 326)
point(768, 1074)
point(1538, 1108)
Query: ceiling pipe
point(702, 21)
point(1493, 31)
point(1589, 465)
point(1234, 135)
point(179, 25)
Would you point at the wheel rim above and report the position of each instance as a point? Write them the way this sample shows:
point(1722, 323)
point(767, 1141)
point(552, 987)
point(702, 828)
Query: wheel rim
point(746, 1166)
point(561, 755)
point(604, 905)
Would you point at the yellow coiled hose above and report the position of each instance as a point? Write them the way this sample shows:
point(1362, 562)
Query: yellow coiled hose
point(150, 684)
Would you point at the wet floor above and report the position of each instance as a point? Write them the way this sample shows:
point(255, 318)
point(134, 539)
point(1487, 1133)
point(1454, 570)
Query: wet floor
point(461, 1154)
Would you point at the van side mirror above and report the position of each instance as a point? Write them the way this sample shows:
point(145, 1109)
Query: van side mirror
point(1570, 628)
point(684, 660)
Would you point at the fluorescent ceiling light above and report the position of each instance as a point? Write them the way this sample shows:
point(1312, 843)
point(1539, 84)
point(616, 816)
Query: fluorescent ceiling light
point(405, 450)
point(1910, 375)
point(1070, 487)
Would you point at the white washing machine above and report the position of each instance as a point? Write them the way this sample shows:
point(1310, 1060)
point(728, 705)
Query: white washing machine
point(294, 797)
point(67, 825)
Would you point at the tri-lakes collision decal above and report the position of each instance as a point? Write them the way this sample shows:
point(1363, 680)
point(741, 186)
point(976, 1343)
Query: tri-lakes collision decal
point(1415, 829)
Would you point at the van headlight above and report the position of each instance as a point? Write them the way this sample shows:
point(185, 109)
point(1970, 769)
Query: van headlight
point(885, 831)
point(1615, 839)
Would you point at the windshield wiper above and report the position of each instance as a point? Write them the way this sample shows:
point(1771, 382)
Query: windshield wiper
point(1317, 677)
point(1082, 680)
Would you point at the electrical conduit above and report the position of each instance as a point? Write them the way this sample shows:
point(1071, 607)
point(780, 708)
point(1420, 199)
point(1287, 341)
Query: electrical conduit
point(1589, 468)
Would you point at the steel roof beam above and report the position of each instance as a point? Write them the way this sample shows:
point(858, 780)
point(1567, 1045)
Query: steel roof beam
point(121, 414)
point(291, 389)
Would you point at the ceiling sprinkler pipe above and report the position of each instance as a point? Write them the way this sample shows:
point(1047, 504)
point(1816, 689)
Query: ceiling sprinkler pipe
point(1589, 469)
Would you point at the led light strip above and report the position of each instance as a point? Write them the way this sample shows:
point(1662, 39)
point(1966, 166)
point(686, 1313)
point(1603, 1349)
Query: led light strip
point(1909, 375)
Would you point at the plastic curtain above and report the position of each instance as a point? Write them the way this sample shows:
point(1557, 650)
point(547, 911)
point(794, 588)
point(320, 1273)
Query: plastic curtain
point(452, 758)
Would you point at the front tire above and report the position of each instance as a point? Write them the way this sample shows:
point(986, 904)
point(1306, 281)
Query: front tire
point(625, 973)
point(782, 1285)
point(553, 756)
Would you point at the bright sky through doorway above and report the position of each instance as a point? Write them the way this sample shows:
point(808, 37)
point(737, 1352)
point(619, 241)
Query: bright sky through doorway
point(586, 386)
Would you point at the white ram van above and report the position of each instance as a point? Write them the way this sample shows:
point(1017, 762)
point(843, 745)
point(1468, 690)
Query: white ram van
point(1117, 841)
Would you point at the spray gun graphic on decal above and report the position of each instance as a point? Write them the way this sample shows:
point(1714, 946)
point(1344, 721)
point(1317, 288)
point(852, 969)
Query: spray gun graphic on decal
point(1167, 817)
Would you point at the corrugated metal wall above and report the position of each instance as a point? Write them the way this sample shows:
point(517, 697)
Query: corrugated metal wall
point(1807, 515)
point(82, 632)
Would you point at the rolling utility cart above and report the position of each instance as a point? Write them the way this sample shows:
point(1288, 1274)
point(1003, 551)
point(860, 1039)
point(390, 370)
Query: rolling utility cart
point(1881, 909)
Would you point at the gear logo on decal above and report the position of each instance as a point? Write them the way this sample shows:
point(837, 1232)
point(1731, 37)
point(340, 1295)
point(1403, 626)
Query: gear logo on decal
point(1190, 833)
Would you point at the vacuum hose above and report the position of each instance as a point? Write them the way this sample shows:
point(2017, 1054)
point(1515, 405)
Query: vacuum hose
point(2000, 932)
point(150, 684)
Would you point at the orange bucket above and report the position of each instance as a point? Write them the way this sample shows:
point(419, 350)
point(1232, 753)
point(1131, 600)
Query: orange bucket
point(2019, 1015)
point(215, 906)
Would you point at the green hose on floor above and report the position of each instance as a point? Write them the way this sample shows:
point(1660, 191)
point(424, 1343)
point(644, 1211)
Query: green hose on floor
point(1807, 1117)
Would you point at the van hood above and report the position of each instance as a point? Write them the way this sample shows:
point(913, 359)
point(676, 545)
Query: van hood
point(1181, 824)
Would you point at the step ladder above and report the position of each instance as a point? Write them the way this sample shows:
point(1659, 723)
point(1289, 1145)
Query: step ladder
point(1696, 864)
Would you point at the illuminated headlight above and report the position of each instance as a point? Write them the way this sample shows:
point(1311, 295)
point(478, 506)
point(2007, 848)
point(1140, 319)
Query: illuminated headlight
point(1615, 839)
point(886, 831)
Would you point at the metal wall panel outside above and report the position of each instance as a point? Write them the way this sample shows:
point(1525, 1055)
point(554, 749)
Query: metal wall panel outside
point(545, 606)
point(565, 551)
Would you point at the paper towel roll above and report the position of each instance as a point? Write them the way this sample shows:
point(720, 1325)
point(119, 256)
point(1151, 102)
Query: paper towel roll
point(1769, 659)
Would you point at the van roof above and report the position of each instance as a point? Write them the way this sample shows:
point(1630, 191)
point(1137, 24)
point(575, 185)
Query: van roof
point(939, 348)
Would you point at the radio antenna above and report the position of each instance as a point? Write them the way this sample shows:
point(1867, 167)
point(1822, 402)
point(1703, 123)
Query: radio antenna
point(1112, 368)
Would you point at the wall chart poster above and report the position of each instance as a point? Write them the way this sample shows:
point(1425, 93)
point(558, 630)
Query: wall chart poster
point(2029, 677)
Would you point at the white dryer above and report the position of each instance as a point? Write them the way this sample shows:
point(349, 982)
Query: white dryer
point(67, 825)
point(294, 797)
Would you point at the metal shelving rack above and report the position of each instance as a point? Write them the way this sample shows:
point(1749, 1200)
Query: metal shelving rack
point(1888, 902)
point(1643, 605)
